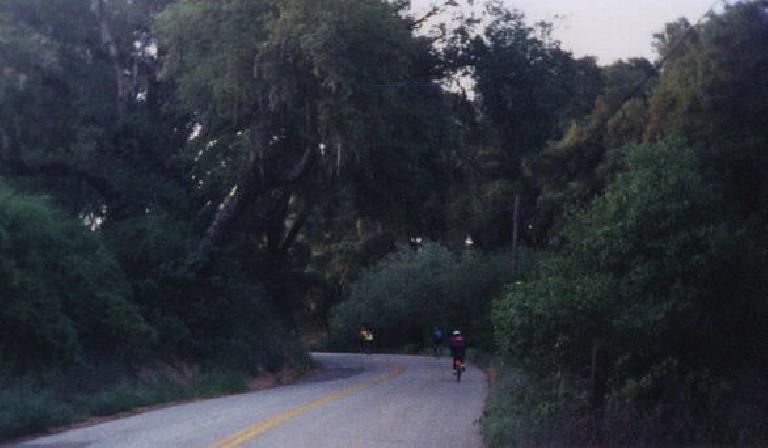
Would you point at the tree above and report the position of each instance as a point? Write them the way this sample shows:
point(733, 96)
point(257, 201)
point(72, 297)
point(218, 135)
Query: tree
point(574, 169)
point(528, 90)
point(47, 72)
point(653, 271)
point(523, 81)
point(90, 123)
point(293, 97)
point(65, 128)
point(709, 92)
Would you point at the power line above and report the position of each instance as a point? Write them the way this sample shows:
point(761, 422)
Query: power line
point(658, 66)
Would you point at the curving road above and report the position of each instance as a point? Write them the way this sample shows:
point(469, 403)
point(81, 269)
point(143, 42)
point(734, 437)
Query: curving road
point(354, 401)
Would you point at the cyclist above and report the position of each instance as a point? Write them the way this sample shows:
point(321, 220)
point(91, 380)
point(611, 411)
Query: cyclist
point(437, 340)
point(458, 345)
point(369, 340)
point(363, 338)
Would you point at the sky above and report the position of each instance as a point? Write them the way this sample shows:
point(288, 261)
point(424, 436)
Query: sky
point(608, 29)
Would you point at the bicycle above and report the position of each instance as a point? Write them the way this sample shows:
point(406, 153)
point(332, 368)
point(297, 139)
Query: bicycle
point(458, 368)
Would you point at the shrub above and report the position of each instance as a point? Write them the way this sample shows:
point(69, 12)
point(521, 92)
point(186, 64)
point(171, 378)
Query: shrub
point(698, 410)
point(527, 410)
point(652, 273)
point(38, 402)
point(403, 296)
point(223, 318)
point(64, 298)
point(650, 270)
point(25, 411)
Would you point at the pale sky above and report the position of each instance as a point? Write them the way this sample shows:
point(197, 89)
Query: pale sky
point(608, 29)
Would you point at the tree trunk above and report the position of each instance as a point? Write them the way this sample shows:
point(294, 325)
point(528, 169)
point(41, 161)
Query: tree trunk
point(252, 186)
point(293, 232)
point(230, 209)
point(108, 41)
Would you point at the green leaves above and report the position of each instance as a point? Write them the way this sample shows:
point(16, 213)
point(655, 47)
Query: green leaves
point(64, 298)
point(641, 268)
point(410, 291)
point(713, 93)
point(660, 258)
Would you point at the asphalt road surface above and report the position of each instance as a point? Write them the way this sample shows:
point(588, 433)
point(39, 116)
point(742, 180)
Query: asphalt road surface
point(354, 401)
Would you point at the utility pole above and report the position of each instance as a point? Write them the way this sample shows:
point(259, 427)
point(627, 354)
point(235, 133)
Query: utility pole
point(514, 233)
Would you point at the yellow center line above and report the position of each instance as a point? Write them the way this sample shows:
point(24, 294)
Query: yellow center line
point(251, 431)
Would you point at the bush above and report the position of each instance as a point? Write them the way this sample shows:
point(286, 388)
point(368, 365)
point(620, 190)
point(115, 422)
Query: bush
point(552, 410)
point(40, 402)
point(527, 410)
point(26, 411)
point(64, 298)
point(650, 270)
point(410, 291)
point(652, 273)
point(224, 318)
point(163, 388)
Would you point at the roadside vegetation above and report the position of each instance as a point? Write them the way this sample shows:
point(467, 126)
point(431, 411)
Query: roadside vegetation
point(637, 319)
point(34, 404)
point(190, 189)
point(75, 340)
point(410, 291)
point(641, 324)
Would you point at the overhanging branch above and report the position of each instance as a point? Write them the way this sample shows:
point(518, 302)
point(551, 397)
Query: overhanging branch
point(248, 189)
point(293, 232)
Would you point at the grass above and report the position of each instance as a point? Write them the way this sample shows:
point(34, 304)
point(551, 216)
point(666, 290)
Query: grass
point(130, 395)
point(29, 411)
point(527, 410)
point(31, 406)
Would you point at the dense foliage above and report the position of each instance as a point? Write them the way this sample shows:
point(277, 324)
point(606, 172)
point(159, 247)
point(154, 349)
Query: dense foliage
point(651, 295)
point(197, 183)
point(413, 290)
point(64, 297)
point(634, 272)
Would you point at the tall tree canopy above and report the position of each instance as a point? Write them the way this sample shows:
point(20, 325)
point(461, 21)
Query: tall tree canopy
point(313, 91)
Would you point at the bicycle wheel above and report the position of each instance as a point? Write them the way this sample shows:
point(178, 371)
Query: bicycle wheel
point(458, 375)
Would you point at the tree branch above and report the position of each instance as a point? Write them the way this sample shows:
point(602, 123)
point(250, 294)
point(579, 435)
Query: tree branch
point(249, 188)
point(431, 13)
point(255, 183)
point(290, 237)
point(114, 53)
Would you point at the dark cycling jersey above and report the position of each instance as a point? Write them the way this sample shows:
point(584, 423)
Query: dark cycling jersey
point(437, 336)
point(457, 345)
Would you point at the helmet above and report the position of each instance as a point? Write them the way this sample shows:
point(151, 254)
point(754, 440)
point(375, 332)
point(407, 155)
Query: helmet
point(456, 332)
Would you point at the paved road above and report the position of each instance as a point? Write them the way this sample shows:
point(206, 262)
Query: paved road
point(354, 401)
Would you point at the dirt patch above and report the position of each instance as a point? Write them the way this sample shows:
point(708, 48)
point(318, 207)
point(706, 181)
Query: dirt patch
point(490, 372)
point(268, 380)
